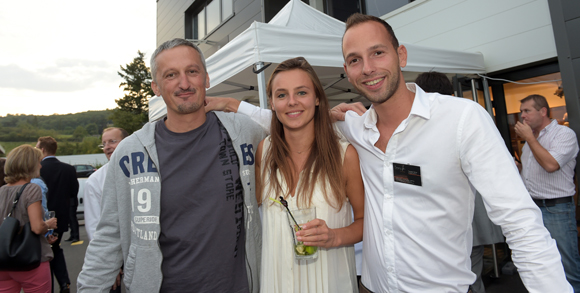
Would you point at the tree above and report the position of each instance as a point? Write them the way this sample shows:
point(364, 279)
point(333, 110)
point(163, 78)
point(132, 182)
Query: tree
point(79, 133)
point(92, 129)
point(128, 121)
point(133, 109)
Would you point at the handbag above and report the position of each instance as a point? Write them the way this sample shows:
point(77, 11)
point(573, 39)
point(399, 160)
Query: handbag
point(19, 248)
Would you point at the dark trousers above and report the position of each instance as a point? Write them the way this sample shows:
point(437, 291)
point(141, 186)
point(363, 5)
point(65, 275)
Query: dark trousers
point(73, 222)
point(560, 220)
point(58, 264)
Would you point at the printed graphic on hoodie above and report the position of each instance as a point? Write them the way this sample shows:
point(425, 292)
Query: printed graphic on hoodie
point(140, 171)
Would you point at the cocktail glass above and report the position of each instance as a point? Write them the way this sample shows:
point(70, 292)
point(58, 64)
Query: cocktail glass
point(302, 216)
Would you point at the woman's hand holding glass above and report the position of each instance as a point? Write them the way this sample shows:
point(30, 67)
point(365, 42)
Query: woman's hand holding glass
point(317, 233)
point(50, 220)
point(51, 223)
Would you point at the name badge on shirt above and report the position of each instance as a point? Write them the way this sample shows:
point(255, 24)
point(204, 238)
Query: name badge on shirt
point(408, 174)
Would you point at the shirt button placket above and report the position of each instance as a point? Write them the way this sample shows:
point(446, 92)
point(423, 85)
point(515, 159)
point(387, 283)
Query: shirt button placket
point(388, 207)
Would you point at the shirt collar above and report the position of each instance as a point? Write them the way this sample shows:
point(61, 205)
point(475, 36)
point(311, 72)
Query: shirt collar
point(549, 127)
point(421, 106)
point(48, 157)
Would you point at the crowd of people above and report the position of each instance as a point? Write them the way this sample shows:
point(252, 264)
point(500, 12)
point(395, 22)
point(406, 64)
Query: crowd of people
point(201, 200)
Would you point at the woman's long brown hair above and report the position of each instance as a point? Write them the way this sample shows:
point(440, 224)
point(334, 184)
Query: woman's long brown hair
point(324, 163)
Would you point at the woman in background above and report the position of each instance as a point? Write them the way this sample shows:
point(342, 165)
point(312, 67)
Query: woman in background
point(23, 164)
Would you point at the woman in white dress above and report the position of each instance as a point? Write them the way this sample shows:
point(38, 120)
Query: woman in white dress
point(304, 162)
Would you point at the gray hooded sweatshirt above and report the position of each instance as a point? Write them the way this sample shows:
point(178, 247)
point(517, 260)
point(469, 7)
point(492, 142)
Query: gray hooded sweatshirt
point(129, 227)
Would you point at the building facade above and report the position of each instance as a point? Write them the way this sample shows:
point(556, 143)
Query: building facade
point(529, 46)
point(213, 23)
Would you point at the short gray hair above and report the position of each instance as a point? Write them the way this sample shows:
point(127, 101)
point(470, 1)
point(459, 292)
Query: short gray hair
point(539, 103)
point(170, 45)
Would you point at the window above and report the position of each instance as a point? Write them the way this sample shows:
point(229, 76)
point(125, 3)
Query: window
point(205, 16)
point(379, 8)
point(272, 7)
point(341, 10)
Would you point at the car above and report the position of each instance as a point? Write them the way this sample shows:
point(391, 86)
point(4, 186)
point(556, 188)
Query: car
point(80, 196)
point(84, 170)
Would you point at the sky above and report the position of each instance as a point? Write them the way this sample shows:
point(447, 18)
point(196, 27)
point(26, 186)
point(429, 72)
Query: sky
point(60, 57)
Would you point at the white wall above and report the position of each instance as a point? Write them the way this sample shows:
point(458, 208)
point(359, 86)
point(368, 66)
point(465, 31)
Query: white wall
point(508, 33)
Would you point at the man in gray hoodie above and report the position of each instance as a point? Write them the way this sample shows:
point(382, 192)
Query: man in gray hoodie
point(179, 207)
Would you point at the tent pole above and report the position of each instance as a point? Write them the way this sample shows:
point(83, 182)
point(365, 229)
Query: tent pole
point(486, 96)
point(262, 86)
point(474, 91)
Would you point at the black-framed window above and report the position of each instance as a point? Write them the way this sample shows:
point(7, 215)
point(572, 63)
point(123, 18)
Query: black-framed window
point(379, 8)
point(203, 17)
point(272, 7)
point(341, 9)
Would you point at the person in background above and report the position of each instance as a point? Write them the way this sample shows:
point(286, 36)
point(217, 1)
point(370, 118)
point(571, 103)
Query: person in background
point(38, 181)
point(21, 165)
point(547, 169)
point(73, 221)
point(93, 191)
point(485, 232)
point(62, 183)
point(434, 82)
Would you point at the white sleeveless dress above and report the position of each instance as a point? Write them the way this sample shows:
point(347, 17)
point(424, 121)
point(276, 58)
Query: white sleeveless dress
point(334, 270)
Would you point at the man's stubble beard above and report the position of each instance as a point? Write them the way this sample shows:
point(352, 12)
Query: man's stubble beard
point(193, 106)
point(392, 85)
point(189, 108)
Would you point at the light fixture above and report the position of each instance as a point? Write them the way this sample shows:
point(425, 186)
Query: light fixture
point(559, 92)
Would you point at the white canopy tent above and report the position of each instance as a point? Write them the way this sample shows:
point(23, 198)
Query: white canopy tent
point(300, 30)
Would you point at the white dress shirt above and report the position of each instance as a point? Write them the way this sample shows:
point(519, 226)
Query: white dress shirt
point(419, 238)
point(560, 141)
point(92, 199)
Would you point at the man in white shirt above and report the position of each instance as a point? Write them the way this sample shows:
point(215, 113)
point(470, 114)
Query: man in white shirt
point(93, 192)
point(547, 169)
point(422, 155)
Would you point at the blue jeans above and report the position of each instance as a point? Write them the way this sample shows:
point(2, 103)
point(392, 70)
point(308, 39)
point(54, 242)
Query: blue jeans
point(560, 220)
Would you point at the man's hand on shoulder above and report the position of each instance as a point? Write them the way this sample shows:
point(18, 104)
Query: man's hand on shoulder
point(221, 104)
point(339, 111)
